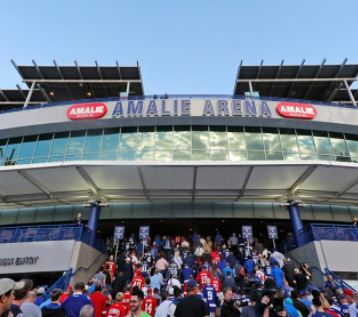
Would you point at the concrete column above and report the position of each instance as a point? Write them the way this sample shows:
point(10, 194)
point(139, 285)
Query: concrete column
point(95, 209)
point(296, 222)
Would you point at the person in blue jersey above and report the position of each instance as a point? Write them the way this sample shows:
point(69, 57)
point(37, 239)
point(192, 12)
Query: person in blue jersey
point(76, 301)
point(278, 275)
point(344, 305)
point(249, 265)
point(54, 308)
point(210, 297)
point(320, 312)
point(186, 273)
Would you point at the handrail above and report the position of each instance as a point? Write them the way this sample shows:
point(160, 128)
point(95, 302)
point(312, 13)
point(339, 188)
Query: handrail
point(177, 96)
point(340, 280)
point(62, 283)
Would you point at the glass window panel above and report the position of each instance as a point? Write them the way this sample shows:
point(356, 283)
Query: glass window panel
point(305, 144)
point(353, 147)
point(217, 155)
point(110, 140)
point(76, 144)
point(355, 159)
point(272, 142)
point(90, 157)
point(108, 156)
point(218, 140)
point(308, 156)
point(200, 140)
point(291, 156)
point(126, 156)
point(93, 141)
point(145, 155)
point(182, 155)
point(40, 160)
point(3, 143)
point(326, 157)
point(237, 155)
point(128, 141)
point(73, 157)
point(43, 145)
point(59, 144)
point(182, 140)
point(12, 150)
point(58, 158)
point(164, 140)
point(200, 155)
point(343, 158)
point(273, 156)
point(24, 161)
point(146, 140)
point(323, 146)
point(254, 141)
point(289, 143)
point(255, 155)
point(339, 146)
point(236, 140)
point(164, 155)
point(28, 146)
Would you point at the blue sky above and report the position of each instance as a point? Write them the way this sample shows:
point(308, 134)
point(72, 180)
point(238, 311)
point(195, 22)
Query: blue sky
point(182, 46)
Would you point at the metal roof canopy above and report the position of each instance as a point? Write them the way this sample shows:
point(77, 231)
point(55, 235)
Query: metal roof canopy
point(311, 82)
point(64, 83)
point(78, 182)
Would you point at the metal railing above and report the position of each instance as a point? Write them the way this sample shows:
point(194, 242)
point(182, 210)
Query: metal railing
point(49, 233)
point(317, 232)
point(177, 96)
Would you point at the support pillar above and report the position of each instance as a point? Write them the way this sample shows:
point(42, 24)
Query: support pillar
point(296, 221)
point(95, 209)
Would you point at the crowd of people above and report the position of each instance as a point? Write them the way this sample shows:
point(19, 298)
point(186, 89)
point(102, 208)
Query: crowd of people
point(187, 277)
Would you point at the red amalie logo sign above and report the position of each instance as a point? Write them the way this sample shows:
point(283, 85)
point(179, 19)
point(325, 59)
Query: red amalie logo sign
point(85, 111)
point(296, 110)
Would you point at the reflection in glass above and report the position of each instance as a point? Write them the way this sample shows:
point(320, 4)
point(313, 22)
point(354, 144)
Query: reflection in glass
point(339, 147)
point(144, 155)
point(353, 147)
point(110, 141)
point(93, 141)
point(165, 140)
point(256, 155)
point(182, 155)
point(305, 144)
point(28, 147)
point(237, 155)
point(291, 156)
point(272, 142)
point(164, 155)
point(11, 151)
point(59, 143)
point(76, 144)
point(200, 140)
point(128, 141)
point(146, 141)
point(236, 140)
point(2, 148)
point(274, 156)
point(200, 155)
point(254, 141)
point(289, 143)
point(218, 155)
point(182, 140)
point(218, 140)
point(323, 146)
point(90, 157)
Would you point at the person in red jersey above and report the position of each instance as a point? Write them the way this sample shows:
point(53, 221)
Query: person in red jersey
point(118, 309)
point(99, 302)
point(215, 256)
point(138, 279)
point(150, 304)
point(216, 283)
point(203, 276)
point(111, 266)
point(126, 298)
point(66, 294)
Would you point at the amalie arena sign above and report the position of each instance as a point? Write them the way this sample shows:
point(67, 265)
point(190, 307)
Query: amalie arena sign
point(190, 107)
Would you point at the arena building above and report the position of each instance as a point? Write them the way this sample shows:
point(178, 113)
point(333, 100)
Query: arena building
point(287, 136)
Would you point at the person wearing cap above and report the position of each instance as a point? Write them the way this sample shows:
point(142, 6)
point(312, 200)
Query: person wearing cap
point(7, 288)
point(192, 305)
point(54, 308)
point(20, 296)
point(40, 296)
point(117, 309)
